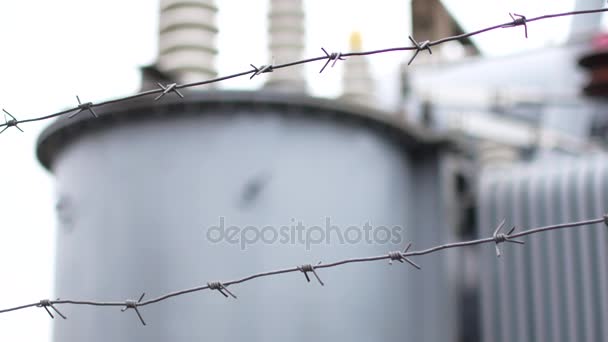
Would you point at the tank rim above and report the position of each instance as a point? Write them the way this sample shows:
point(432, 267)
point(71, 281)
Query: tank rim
point(64, 130)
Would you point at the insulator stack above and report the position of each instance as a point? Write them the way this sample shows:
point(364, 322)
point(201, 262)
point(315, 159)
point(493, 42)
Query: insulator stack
point(187, 38)
point(287, 33)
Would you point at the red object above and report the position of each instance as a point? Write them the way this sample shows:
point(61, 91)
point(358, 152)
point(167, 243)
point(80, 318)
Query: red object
point(600, 42)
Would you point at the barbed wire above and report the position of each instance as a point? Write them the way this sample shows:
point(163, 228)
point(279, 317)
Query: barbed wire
point(222, 287)
point(516, 20)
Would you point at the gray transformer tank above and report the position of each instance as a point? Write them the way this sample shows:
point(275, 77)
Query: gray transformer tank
point(146, 190)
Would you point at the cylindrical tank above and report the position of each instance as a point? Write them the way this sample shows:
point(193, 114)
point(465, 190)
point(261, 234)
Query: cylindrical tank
point(148, 189)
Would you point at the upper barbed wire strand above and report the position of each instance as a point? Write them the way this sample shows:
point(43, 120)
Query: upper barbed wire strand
point(518, 20)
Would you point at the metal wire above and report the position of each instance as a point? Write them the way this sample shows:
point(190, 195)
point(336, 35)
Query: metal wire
point(517, 20)
point(222, 287)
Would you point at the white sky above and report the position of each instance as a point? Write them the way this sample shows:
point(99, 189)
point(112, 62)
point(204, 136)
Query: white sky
point(51, 51)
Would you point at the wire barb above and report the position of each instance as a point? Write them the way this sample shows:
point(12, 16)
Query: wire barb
point(401, 257)
point(216, 285)
point(12, 122)
point(82, 107)
point(45, 303)
point(167, 89)
point(310, 268)
point(520, 20)
point(131, 304)
point(334, 56)
point(425, 45)
point(261, 70)
point(500, 237)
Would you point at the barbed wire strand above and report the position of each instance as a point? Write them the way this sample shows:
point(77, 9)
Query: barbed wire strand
point(517, 20)
point(222, 287)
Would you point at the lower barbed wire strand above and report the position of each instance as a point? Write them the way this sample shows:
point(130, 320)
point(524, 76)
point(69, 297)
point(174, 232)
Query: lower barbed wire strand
point(222, 286)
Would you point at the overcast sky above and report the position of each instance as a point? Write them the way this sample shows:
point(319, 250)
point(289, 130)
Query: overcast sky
point(51, 51)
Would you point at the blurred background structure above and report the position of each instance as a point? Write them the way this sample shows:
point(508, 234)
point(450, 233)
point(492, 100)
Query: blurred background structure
point(536, 125)
point(447, 148)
